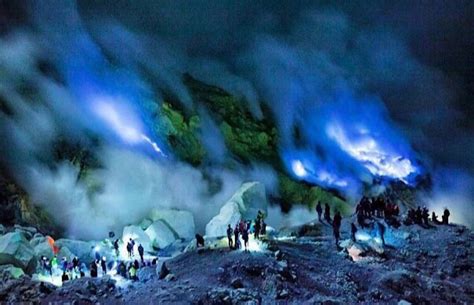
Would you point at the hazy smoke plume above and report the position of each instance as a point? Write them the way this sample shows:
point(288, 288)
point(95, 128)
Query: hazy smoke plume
point(337, 78)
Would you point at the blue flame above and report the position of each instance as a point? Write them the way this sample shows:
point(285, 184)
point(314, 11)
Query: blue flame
point(348, 142)
point(112, 98)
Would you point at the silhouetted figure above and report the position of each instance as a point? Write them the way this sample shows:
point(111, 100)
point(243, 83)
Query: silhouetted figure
point(141, 252)
point(245, 237)
point(164, 271)
point(122, 270)
point(425, 216)
point(136, 264)
point(64, 277)
point(418, 216)
point(336, 226)
point(381, 229)
point(93, 269)
point(257, 228)
point(353, 232)
point(434, 218)
point(236, 236)
point(130, 245)
point(229, 236)
point(327, 213)
point(445, 216)
point(199, 241)
point(116, 247)
point(103, 264)
point(75, 262)
point(319, 210)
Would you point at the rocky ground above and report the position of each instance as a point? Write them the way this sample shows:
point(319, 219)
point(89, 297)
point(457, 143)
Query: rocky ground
point(419, 266)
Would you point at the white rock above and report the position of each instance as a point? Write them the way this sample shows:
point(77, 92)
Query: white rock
point(145, 223)
point(138, 235)
point(15, 250)
point(160, 234)
point(244, 204)
point(403, 302)
point(181, 222)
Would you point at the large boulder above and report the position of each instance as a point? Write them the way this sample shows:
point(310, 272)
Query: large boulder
point(138, 235)
point(43, 249)
point(82, 249)
point(244, 204)
point(160, 234)
point(16, 250)
point(180, 222)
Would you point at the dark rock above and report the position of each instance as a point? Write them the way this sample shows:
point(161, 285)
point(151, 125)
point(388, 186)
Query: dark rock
point(164, 271)
point(237, 283)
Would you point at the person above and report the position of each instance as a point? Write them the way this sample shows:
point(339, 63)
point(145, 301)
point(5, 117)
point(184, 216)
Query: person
point(229, 236)
point(93, 269)
point(64, 264)
point(410, 217)
point(242, 226)
point(319, 210)
point(116, 247)
point(122, 270)
point(130, 248)
point(445, 216)
point(199, 241)
point(260, 215)
point(75, 262)
point(236, 237)
point(132, 271)
point(264, 227)
point(353, 232)
point(257, 228)
point(425, 216)
point(434, 218)
point(336, 225)
point(418, 216)
point(245, 237)
point(103, 264)
point(136, 264)
point(141, 251)
point(327, 213)
point(64, 277)
point(381, 229)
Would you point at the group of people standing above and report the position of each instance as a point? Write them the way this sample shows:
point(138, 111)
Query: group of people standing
point(335, 222)
point(421, 216)
point(74, 269)
point(244, 228)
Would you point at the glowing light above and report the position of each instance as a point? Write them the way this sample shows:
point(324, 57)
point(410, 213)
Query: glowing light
point(365, 149)
point(298, 168)
point(320, 175)
point(105, 109)
point(256, 245)
point(122, 121)
point(153, 145)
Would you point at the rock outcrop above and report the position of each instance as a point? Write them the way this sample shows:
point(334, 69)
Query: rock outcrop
point(16, 250)
point(138, 235)
point(244, 204)
point(179, 221)
point(160, 234)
